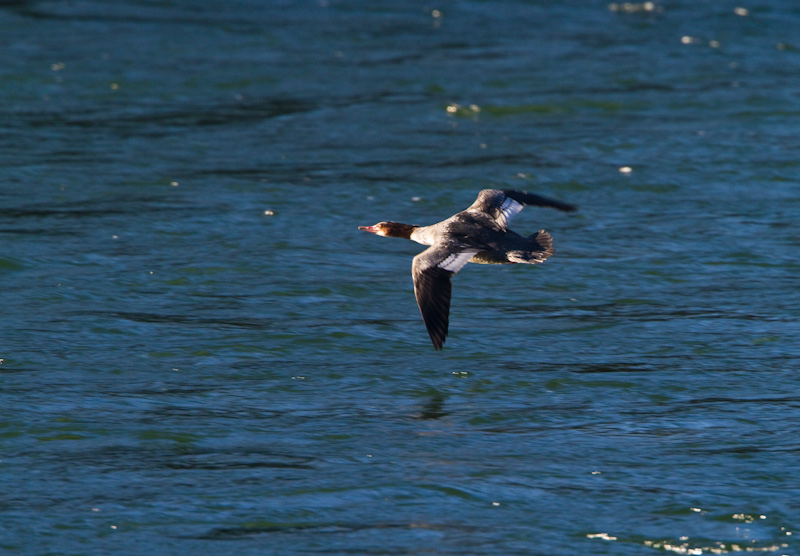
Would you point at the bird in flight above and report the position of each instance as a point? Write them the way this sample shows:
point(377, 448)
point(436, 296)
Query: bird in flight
point(478, 234)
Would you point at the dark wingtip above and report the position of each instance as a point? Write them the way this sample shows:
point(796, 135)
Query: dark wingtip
point(438, 337)
point(560, 205)
point(533, 199)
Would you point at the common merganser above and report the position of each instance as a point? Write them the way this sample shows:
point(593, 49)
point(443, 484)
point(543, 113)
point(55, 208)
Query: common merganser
point(479, 234)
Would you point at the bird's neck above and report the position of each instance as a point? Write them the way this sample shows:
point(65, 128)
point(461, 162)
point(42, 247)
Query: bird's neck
point(398, 229)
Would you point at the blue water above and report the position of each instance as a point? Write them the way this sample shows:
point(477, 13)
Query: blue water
point(203, 355)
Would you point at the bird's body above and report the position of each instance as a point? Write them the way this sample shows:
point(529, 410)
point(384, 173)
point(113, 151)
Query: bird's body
point(478, 234)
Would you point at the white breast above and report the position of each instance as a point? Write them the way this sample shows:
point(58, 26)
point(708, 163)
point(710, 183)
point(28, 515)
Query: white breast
point(424, 235)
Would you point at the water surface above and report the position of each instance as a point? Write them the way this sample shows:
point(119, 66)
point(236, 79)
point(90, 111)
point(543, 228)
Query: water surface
point(202, 354)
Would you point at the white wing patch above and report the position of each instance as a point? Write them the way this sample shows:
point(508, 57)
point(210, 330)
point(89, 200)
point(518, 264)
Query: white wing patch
point(509, 209)
point(456, 261)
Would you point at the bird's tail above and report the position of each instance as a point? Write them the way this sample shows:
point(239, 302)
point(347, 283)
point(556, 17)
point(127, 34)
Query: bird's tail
point(537, 253)
point(545, 240)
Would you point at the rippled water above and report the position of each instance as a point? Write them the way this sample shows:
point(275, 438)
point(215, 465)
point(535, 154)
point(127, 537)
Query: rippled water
point(202, 354)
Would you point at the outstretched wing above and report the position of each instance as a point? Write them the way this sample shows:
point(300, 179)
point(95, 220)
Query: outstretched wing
point(432, 270)
point(503, 205)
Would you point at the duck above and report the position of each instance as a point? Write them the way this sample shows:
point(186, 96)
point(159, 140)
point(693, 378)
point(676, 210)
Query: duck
point(479, 234)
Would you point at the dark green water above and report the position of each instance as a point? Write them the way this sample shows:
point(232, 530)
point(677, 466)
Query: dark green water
point(202, 354)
